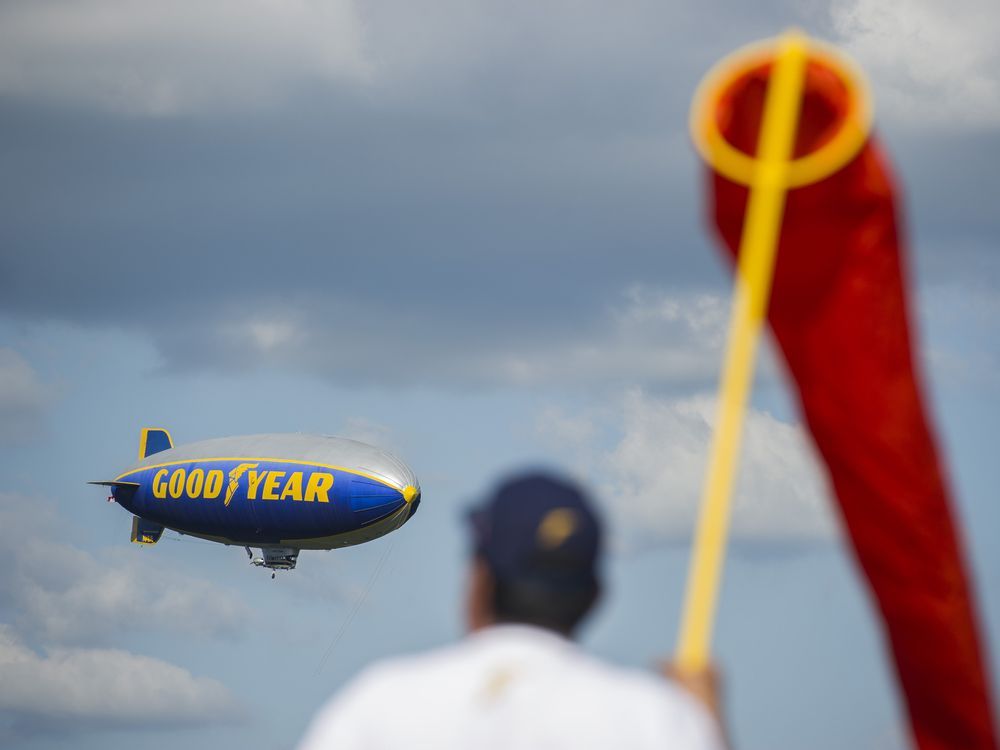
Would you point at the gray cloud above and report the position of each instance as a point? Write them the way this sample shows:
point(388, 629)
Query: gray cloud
point(59, 593)
point(96, 689)
point(469, 209)
point(24, 398)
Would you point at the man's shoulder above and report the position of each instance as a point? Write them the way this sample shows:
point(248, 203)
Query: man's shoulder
point(629, 685)
point(398, 682)
point(397, 673)
point(653, 705)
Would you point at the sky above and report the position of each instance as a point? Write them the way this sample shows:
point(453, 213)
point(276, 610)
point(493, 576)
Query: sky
point(471, 233)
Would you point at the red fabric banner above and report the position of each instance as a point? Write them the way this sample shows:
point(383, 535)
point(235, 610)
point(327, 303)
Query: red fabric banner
point(839, 312)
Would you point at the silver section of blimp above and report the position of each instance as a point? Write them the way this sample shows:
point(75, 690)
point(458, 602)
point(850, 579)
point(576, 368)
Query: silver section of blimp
point(339, 452)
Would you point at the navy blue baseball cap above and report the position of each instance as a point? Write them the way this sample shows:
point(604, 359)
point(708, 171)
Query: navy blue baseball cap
point(538, 528)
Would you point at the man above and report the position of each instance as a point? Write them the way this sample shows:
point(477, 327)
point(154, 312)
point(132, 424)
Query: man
point(518, 680)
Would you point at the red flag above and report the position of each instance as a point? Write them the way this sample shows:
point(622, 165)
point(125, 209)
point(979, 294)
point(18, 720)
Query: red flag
point(839, 312)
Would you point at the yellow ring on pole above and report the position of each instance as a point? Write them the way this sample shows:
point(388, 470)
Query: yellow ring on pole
point(738, 166)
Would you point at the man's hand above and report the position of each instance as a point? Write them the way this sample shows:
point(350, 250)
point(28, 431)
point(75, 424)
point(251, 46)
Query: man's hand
point(703, 684)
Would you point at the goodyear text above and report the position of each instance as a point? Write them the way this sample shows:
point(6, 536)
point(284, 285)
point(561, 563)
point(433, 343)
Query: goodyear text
point(259, 484)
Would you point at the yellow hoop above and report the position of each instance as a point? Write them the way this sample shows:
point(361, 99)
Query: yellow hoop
point(825, 161)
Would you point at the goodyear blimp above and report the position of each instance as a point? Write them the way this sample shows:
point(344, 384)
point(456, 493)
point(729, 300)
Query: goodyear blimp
point(280, 493)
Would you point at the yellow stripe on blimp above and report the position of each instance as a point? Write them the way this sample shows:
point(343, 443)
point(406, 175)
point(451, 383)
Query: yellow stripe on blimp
point(355, 472)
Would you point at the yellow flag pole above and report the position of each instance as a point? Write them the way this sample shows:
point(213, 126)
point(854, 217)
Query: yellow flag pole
point(758, 248)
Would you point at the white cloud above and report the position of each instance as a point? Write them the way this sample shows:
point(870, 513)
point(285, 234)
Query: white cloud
point(650, 467)
point(650, 336)
point(57, 596)
point(575, 434)
point(19, 384)
point(932, 63)
point(647, 335)
point(163, 58)
point(263, 336)
point(105, 688)
point(60, 593)
point(23, 398)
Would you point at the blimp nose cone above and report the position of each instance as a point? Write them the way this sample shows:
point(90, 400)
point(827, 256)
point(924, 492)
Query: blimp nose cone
point(412, 500)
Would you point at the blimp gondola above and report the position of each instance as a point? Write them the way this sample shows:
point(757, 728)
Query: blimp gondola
point(280, 493)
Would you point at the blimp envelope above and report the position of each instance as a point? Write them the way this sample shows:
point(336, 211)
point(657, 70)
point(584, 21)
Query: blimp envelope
point(288, 491)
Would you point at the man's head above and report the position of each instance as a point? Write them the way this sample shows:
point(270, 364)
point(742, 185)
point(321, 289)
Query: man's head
point(536, 549)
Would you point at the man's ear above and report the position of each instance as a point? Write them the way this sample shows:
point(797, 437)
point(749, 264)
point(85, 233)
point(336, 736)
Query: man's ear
point(479, 596)
point(598, 597)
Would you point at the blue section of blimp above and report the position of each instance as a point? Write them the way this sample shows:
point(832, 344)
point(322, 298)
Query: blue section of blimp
point(353, 501)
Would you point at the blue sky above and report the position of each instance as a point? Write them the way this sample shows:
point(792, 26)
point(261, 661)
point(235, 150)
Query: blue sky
point(471, 234)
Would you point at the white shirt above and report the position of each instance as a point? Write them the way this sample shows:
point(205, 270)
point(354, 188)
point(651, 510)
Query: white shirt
point(510, 687)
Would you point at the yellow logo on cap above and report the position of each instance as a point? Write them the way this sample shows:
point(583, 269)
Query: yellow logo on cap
point(555, 527)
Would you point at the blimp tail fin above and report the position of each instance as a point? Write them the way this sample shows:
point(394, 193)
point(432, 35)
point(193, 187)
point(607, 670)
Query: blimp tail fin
point(145, 532)
point(153, 440)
